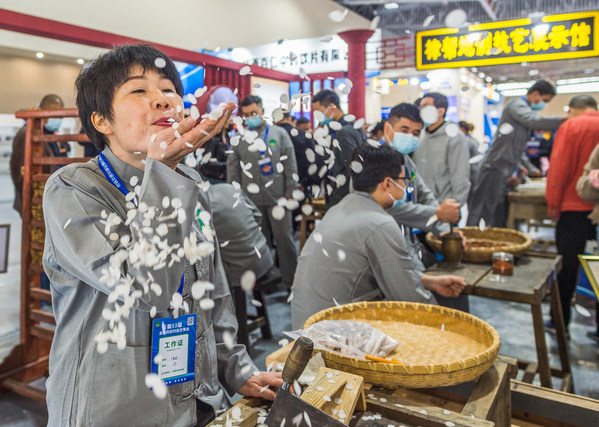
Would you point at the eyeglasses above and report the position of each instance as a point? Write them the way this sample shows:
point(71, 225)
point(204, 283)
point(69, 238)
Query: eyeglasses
point(406, 180)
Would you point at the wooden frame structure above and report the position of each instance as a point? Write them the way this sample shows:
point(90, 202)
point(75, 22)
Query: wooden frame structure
point(29, 359)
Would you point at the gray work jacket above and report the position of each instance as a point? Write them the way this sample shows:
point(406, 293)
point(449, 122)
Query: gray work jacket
point(89, 388)
point(443, 163)
point(274, 186)
point(507, 148)
point(362, 256)
point(237, 224)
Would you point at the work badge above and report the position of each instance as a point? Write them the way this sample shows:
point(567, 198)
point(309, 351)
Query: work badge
point(175, 341)
point(265, 166)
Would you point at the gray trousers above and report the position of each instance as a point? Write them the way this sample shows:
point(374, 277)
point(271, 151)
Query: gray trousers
point(282, 233)
point(489, 199)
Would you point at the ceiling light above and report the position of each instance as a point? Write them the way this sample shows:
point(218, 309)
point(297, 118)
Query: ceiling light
point(40, 55)
point(533, 72)
point(391, 6)
point(80, 61)
point(414, 81)
point(489, 79)
point(481, 75)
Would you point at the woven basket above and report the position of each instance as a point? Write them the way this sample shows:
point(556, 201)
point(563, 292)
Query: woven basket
point(443, 346)
point(515, 242)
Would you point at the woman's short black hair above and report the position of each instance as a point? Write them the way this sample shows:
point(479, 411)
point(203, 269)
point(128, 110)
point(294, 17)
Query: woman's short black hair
point(99, 79)
point(377, 163)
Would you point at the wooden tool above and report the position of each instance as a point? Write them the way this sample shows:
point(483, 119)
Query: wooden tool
point(290, 408)
point(336, 393)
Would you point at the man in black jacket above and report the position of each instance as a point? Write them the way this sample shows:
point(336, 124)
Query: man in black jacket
point(301, 144)
point(327, 102)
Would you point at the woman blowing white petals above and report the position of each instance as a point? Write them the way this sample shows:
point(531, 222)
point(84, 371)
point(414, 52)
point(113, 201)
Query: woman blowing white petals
point(145, 324)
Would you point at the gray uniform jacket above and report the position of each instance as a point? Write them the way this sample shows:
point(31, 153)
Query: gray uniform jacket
point(363, 256)
point(417, 213)
point(278, 145)
point(505, 152)
point(237, 224)
point(502, 158)
point(443, 163)
point(89, 388)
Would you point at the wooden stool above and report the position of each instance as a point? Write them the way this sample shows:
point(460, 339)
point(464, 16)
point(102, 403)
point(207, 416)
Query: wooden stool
point(249, 322)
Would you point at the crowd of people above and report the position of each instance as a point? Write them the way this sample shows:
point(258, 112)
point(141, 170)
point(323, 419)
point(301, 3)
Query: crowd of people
point(136, 235)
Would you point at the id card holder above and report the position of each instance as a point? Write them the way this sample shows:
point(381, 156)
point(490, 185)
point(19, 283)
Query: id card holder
point(533, 149)
point(266, 166)
point(175, 341)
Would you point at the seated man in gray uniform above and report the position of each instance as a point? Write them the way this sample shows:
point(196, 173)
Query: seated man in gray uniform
point(358, 252)
point(144, 321)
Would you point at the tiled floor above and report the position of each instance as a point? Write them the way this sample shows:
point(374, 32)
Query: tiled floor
point(512, 321)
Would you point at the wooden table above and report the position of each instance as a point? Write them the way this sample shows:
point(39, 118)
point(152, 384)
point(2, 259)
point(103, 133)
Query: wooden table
point(534, 277)
point(525, 206)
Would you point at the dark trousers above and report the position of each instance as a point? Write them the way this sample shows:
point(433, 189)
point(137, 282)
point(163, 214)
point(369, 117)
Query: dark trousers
point(572, 231)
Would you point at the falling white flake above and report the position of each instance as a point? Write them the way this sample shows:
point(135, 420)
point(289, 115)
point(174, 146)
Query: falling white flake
point(341, 255)
point(449, 424)
point(475, 159)
point(200, 91)
point(505, 129)
point(482, 225)
point(358, 123)
point(428, 21)
point(456, 18)
point(253, 188)
point(248, 280)
point(429, 114)
point(356, 166)
point(452, 130)
point(278, 212)
point(338, 15)
point(375, 23)
point(163, 145)
point(206, 304)
point(582, 310)
point(245, 70)
point(229, 343)
point(154, 382)
point(66, 224)
point(160, 62)
point(294, 132)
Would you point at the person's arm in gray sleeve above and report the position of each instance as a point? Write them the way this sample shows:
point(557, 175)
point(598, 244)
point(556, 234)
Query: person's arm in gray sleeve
point(83, 248)
point(233, 166)
point(523, 114)
point(458, 159)
point(290, 165)
point(422, 193)
point(255, 211)
point(416, 215)
point(527, 164)
point(234, 364)
point(392, 265)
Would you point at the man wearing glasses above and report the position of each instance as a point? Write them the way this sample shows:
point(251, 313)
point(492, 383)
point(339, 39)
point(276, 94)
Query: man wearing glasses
point(358, 252)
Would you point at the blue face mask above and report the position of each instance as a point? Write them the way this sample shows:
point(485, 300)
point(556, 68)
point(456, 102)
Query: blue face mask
point(403, 199)
point(253, 122)
point(326, 121)
point(53, 124)
point(405, 143)
point(538, 106)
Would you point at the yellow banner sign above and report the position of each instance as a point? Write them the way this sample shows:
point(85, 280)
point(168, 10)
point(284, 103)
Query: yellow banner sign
point(566, 36)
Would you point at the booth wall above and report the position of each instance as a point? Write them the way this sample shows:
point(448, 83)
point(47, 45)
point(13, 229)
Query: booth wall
point(24, 82)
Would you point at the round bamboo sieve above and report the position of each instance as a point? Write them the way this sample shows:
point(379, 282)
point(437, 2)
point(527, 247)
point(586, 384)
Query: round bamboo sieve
point(440, 345)
point(514, 242)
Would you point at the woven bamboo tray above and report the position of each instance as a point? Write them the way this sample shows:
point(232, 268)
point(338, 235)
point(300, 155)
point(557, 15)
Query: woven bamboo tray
point(515, 242)
point(443, 346)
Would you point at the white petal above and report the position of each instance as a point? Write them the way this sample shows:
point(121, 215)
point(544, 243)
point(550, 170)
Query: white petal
point(248, 280)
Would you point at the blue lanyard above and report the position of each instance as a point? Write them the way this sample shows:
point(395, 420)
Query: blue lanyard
point(114, 179)
point(265, 139)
